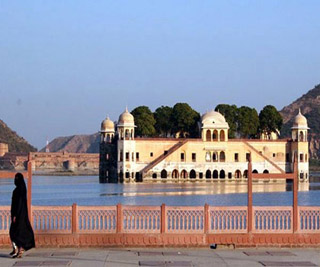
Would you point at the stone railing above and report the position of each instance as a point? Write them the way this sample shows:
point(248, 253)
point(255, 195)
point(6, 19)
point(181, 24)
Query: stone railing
point(167, 225)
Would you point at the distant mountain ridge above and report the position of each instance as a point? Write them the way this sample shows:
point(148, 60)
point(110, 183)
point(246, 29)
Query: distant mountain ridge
point(75, 144)
point(15, 142)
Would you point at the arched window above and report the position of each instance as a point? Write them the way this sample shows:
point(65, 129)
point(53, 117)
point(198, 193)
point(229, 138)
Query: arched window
point(215, 174)
point(222, 174)
point(301, 139)
point(208, 156)
point(254, 171)
point(154, 175)
point(208, 135)
point(127, 135)
point(208, 174)
point(237, 174)
point(222, 156)
point(265, 171)
point(214, 156)
point(175, 174)
point(215, 135)
point(192, 174)
point(222, 136)
point(108, 138)
point(245, 174)
point(184, 174)
point(163, 174)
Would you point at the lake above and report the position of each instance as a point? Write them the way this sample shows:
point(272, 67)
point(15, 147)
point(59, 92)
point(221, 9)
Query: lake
point(65, 190)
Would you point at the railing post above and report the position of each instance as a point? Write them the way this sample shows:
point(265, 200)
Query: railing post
point(119, 218)
point(163, 225)
point(29, 189)
point(295, 194)
point(250, 215)
point(74, 218)
point(206, 218)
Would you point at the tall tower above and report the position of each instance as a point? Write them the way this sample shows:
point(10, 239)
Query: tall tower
point(108, 153)
point(300, 145)
point(126, 148)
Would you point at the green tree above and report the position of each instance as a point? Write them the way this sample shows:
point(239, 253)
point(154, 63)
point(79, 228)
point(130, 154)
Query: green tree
point(270, 120)
point(248, 122)
point(185, 120)
point(163, 124)
point(144, 120)
point(230, 112)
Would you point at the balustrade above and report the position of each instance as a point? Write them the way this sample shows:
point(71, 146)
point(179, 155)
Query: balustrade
point(272, 219)
point(165, 219)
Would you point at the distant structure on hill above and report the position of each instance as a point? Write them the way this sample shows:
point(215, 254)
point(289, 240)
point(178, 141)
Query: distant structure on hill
point(213, 157)
point(3, 149)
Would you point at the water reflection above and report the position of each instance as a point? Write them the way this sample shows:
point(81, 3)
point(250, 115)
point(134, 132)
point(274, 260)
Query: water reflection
point(87, 191)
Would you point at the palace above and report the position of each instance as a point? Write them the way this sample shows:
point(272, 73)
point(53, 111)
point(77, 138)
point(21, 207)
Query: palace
point(213, 157)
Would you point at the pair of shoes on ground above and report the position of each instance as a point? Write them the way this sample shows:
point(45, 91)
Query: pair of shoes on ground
point(17, 253)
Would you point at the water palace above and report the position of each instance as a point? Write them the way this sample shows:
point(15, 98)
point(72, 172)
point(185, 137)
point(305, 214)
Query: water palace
point(213, 157)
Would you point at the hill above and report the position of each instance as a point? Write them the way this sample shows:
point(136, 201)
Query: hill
point(15, 142)
point(309, 105)
point(75, 144)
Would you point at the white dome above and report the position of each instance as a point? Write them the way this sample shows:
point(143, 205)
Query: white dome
point(107, 125)
point(300, 122)
point(126, 118)
point(214, 119)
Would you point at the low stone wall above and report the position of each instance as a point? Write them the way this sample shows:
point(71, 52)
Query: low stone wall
point(54, 163)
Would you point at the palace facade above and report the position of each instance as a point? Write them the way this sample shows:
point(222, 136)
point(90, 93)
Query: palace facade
point(213, 157)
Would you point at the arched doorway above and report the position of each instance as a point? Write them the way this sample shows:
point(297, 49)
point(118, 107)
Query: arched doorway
point(184, 174)
point(222, 174)
point(245, 174)
point(237, 174)
point(163, 174)
point(208, 174)
point(215, 174)
point(208, 135)
point(192, 174)
point(154, 175)
point(254, 171)
point(215, 135)
point(175, 174)
point(265, 171)
point(222, 136)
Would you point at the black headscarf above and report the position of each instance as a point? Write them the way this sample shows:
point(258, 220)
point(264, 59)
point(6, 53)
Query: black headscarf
point(21, 232)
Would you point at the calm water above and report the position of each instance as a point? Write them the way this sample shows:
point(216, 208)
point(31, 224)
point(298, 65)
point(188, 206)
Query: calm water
point(59, 190)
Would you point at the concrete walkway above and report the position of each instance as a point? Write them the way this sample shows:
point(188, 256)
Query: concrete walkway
point(97, 257)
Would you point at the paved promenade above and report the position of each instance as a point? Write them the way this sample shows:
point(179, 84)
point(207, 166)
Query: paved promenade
point(125, 257)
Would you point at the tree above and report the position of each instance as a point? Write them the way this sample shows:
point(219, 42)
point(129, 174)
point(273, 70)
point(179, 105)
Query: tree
point(270, 120)
point(144, 120)
point(248, 122)
point(230, 112)
point(185, 120)
point(163, 124)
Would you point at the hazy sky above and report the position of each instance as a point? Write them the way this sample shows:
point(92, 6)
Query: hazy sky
point(65, 65)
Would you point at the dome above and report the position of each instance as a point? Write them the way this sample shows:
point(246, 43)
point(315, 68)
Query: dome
point(107, 125)
point(214, 119)
point(126, 118)
point(300, 121)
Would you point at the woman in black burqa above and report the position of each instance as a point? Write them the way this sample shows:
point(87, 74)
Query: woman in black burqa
point(21, 233)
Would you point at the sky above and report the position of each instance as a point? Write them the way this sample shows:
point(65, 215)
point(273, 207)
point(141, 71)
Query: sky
point(66, 65)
